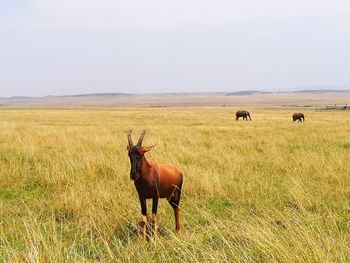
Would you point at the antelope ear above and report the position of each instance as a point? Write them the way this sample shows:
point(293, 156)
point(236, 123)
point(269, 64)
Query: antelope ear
point(146, 149)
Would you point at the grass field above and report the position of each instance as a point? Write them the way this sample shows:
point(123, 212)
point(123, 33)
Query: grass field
point(269, 190)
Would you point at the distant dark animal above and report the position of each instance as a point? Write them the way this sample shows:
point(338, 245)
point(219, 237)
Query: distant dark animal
point(244, 114)
point(299, 117)
point(154, 181)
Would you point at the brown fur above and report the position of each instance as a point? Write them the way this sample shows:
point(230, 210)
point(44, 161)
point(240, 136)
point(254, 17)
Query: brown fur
point(154, 181)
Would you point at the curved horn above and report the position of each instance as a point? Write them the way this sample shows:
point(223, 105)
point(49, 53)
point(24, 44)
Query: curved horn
point(141, 138)
point(131, 144)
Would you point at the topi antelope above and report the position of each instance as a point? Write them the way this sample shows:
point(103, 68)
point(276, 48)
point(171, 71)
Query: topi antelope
point(153, 181)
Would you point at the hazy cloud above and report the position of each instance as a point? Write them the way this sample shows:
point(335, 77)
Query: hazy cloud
point(75, 46)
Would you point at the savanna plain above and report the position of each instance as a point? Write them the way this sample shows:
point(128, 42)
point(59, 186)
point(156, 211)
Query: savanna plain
point(267, 190)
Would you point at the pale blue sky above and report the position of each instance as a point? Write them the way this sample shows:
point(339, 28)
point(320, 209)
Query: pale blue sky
point(50, 47)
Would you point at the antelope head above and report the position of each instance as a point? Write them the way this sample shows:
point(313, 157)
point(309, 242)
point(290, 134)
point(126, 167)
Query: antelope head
point(136, 153)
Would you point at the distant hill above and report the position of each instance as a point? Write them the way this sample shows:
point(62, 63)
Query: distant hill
point(312, 91)
point(96, 95)
point(320, 91)
point(184, 94)
point(22, 98)
point(246, 93)
point(297, 98)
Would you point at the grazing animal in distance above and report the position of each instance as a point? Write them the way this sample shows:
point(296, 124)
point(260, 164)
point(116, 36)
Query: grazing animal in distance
point(299, 117)
point(244, 114)
point(153, 181)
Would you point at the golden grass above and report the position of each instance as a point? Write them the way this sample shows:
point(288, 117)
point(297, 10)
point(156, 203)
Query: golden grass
point(269, 190)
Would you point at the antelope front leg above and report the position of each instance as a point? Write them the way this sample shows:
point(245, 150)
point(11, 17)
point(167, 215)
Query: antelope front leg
point(154, 216)
point(144, 217)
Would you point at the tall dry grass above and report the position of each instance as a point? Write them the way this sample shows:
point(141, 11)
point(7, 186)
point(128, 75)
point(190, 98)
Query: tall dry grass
point(264, 191)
